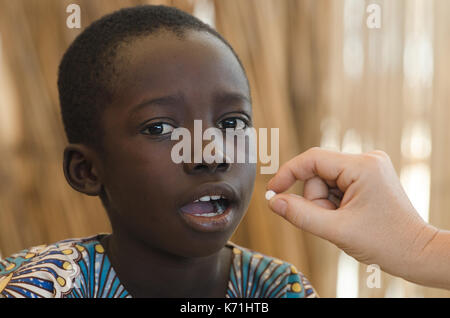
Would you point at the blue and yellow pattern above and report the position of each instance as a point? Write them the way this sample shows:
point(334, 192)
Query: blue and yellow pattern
point(80, 268)
point(253, 275)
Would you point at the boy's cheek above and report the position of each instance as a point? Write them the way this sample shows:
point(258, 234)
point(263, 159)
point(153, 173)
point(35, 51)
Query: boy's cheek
point(245, 177)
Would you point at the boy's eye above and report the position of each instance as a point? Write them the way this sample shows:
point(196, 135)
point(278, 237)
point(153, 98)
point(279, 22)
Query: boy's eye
point(158, 129)
point(234, 123)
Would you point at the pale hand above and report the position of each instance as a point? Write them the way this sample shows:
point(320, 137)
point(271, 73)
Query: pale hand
point(358, 203)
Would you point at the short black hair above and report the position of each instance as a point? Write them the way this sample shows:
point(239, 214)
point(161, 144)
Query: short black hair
point(87, 71)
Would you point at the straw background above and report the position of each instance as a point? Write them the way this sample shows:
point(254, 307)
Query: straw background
point(317, 72)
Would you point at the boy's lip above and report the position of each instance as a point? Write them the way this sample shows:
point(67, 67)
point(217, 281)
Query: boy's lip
point(211, 188)
point(212, 223)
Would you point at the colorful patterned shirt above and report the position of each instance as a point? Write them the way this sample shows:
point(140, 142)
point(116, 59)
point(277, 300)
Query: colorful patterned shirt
point(80, 268)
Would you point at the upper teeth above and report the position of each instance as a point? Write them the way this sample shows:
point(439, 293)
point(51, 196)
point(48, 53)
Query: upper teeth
point(210, 197)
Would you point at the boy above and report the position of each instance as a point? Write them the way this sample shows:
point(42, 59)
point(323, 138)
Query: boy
point(125, 84)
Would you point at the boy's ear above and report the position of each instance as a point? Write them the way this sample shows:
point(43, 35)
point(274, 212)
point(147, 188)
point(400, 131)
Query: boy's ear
point(79, 169)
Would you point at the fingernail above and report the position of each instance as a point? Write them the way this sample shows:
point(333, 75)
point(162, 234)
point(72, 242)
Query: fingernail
point(279, 206)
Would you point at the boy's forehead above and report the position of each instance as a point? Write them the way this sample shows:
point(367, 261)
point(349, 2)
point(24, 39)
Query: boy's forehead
point(163, 60)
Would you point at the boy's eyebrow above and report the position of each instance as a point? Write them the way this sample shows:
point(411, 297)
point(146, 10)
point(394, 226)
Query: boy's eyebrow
point(225, 98)
point(164, 100)
point(220, 98)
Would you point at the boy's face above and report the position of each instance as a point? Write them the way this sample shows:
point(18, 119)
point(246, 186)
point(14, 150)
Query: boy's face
point(150, 197)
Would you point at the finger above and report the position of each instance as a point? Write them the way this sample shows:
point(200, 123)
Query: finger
point(317, 191)
point(326, 204)
point(315, 188)
point(327, 164)
point(306, 215)
point(329, 203)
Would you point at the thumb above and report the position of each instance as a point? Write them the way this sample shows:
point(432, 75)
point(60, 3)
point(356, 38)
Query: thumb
point(306, 215)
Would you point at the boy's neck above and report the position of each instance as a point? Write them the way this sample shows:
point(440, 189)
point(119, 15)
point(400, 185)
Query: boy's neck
point(147, 272)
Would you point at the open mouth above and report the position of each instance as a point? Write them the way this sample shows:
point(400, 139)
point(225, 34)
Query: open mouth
point(211, 207)
point(207, 206)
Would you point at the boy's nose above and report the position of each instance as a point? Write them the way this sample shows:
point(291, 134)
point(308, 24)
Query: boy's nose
point(207, 163)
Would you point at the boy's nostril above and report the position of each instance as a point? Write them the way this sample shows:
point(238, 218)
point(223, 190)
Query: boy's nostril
point(223, 166)
point(208, 167)
point(200, 167)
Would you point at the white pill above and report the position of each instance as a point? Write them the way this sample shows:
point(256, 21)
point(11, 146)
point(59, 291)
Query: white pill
point(270, 194)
